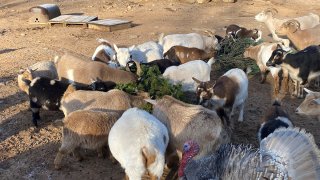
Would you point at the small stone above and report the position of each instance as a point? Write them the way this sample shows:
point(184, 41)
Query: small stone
point(133, 36)
point(129, 7)
point(23, 34)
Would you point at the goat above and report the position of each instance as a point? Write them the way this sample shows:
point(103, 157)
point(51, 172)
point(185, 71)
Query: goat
point(114, 99)
point(300, 38)
point(185, 54)
point(311, 104)
point(186, 121)
point(99, 85)
point(275, 118)
point(104, 52)
point(228, 92)
point(183, 73)
point(146, 52)
point(138, 141)
point(86, 129)
point(237, 32)
point(192, 40)
point(162, 64)
point(77, 70)
point(267, 16)
point(302, 66)
point(40, 69)
point(44, 92)
point(287, 153)
point(261, 54)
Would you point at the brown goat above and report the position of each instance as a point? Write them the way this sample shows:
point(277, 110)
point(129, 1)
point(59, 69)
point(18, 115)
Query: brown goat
point(185, 54)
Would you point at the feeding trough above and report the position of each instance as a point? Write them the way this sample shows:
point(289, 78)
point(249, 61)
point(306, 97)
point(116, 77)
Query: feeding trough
point(41, 14)
point(109, 24)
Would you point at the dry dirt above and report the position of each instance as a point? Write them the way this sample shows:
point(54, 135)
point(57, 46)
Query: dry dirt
point(27, 153)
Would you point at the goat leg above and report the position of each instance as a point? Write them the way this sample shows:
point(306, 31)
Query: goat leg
point(35, 112)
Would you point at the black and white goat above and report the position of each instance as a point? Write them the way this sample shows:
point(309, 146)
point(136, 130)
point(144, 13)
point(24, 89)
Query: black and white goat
point(275, 118)
point(46, 93)
point(302, 66)
point(237, 32)
point(162, 64)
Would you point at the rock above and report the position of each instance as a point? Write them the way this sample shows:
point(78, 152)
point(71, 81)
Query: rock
point(23, 34)
point(133, 36)
point(129, 7)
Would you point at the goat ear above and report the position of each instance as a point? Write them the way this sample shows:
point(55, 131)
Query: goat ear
point(308, 91)
point(255, 31)
point(93, 80)
point(196, 80)
point(317, 101)
point(29, 70)
point(279, 46)
point(116, 47)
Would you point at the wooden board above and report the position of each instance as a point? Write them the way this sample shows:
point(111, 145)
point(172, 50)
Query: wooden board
point(69, 20)
point(109, 24)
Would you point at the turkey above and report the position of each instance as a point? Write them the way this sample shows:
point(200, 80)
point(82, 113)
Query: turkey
point(285, 154)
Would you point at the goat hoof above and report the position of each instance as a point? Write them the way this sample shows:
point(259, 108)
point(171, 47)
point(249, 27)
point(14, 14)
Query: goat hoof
point(57, 167)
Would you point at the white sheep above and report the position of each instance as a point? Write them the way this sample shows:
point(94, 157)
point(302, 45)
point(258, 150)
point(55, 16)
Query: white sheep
point(146, 52)
point(85, 129)
point(138, 141)
point(267, 16)
point(183, 73)
point(191, 40)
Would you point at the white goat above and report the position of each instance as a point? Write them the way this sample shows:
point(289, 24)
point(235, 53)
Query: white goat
point(143, 53)
point(261, 54)
point(138, 141)
point(184, 73)
point(192, 40)
point(267, 16)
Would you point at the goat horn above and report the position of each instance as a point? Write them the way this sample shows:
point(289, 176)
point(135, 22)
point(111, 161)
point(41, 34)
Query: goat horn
point(297, 23)
point(139, 69)
point(273, 11)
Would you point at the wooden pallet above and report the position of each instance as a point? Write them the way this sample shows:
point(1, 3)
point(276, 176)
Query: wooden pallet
point(72, 20)
point(109, 24)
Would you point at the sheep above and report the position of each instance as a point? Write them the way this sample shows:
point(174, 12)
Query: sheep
point(237, 32)
point(267, 16)
point(138, 141)
point(261, 54)
point(78, 70)
point(114, 99)
point(311, 104)
point(185, 54)
point(192, 40)
point(183, 73)
point(146, 52)
point(85, 129)
point(287, 153)
point(275, 118)
point(186, 121)
point(44, 92)
point(228, 92)
point(300, 38)
point(302, 66)
point(104, 52)
point(162, 64)
point(39, 69)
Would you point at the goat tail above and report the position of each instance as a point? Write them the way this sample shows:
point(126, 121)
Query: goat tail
point(211, 61)
point(294, 151)
point(160, 41)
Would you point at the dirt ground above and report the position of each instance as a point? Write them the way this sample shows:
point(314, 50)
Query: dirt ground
point(27, 153)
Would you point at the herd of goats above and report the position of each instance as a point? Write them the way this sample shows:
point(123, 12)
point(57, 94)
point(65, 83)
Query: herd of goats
point(192, 139)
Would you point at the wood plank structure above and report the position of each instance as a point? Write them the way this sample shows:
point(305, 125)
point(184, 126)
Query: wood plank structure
point(71, 20)
point(109, 24)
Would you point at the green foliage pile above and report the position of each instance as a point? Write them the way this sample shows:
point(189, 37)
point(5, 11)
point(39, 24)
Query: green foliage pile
point(152, 81)
point(231, 55)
